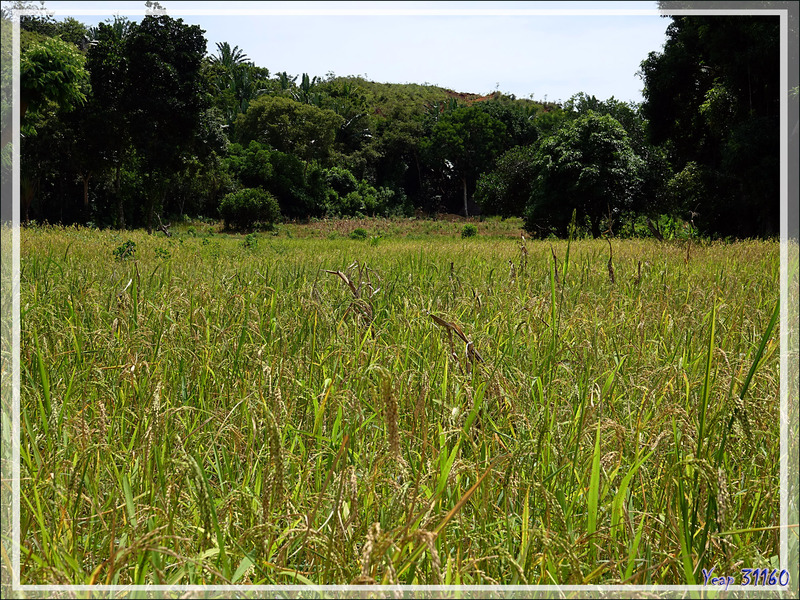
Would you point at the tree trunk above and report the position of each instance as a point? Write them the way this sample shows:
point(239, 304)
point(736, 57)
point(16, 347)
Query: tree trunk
point(86, 179)
point(419, 172)
point(27, 191)
point(150, 210)
point(464, 182)
point(120, 208)
point(595, 227)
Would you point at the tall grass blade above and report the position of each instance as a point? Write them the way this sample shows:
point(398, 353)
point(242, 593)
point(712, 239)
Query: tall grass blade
point(594, 494)
point(746, 385)
point(706, 381)
point(634, 549)
point(620, 497)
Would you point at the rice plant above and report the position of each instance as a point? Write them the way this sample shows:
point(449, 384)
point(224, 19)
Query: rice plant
point(228, 414)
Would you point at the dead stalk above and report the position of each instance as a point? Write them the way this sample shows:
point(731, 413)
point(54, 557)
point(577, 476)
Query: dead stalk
point(610, 262)
point(471, 353)
point(555, 262)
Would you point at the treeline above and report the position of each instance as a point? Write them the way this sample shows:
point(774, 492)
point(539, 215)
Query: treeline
point(128, 124)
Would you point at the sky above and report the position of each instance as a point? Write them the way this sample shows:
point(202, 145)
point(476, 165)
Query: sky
point(545, 56)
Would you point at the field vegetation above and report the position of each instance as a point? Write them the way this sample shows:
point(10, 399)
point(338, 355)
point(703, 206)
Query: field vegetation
point(297, 406)
point(392, 333)
point(138, 123)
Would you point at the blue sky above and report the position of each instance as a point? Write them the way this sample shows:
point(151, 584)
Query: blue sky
point(548, 56)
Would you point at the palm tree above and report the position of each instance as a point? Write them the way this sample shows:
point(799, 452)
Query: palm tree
point(239, 75)
point(229, 57)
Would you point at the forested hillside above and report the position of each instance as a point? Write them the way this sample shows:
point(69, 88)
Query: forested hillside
point(130, 124)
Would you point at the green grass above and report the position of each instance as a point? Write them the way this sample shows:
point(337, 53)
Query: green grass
point(204, 412)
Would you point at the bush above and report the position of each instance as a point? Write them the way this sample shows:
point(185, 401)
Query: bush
point(358, 234)
point(347, 196)
point(126, 250)
point(469, 230)
point(247, 207)
point(250, 241)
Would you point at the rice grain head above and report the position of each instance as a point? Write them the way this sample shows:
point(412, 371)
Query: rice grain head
point(369, 547)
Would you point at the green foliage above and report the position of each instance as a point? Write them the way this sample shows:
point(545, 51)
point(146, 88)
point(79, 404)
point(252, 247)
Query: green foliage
point(247, 207)
point(51, 70)
point(341, 181)
point(359, 234)
point(151, 135)
point(519, 119)
point(233, 80)
point(587, 166)
point(163, 83)
point(347, 196)
point(162, 100)
point(505, 191)
point(469, 230)
point(687, 188)
point(464, 143)
point(548, 122)
point(250, 241)
point(298, 187)
point(712, 98)
point(250, 165)
point(125, 250)
point(289, 126)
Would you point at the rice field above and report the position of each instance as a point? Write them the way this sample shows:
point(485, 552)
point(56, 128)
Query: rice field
point(287, 409)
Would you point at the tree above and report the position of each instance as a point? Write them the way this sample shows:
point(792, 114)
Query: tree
point(288, 126)
point(107, 62)
point(234, 81)
point(653, 198)
point(299, 187)
point(505, 191)
point(228, 57)
point(712, 99)
point(248, 206)
point(51, 70)
point(588, 166)
point(162, 98)
point(250, 165)
point(305, 92)
point(346, 99)
point(519, 119)
point(464, 143)
point(53, 82)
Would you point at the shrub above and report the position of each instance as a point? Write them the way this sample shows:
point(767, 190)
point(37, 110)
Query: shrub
point(126, 250)
point(347, 196)
point(247, 207)
point(250, 241)
point(469, 230)
point(358, 234)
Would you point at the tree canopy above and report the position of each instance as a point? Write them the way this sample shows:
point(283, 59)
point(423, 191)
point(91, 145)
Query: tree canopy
point(712, 100)
point(129, 121)
point(290, 126)
point(587, 166)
